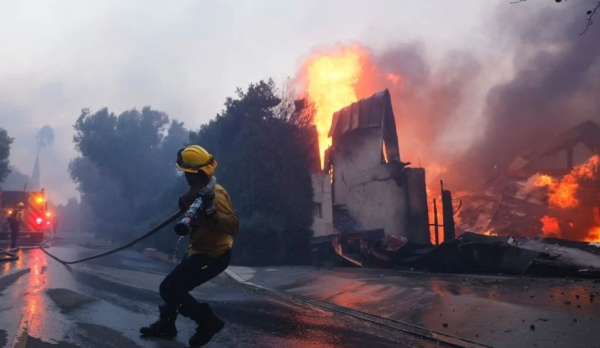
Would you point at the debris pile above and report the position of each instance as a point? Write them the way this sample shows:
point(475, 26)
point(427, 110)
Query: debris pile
point(553, 192)
point(475, 253)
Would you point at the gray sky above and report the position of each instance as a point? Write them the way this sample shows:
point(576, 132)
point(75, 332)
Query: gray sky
point(183, 57)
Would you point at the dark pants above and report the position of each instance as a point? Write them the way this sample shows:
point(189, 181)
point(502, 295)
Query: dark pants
point(14, 233)
point(191, 272)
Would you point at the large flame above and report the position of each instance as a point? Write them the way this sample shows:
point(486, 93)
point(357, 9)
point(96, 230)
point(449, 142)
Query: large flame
point(332, 80)
point(562, 193)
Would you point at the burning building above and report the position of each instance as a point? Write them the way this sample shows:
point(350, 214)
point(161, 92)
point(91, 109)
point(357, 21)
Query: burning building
point(550, 191)
point(365, 190)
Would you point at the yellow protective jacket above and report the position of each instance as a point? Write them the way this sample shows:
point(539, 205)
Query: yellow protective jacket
point(215, 237)
point(16, 215)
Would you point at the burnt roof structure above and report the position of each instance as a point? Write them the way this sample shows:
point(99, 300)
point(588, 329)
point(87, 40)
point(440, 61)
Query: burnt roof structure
point(587, 133)
point(375, 111)
point(529, 163)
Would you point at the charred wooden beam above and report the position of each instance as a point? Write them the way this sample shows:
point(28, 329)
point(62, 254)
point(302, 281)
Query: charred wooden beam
point(436, 223)
point(448, 214)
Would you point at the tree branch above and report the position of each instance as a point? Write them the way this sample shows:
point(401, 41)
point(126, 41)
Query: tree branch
point(590, 13)
point(590, 18)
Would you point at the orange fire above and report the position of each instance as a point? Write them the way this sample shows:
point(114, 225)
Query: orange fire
point(550, 226)
point(332, 80)
point(384, 150)
point(593, 235)
point(545, 181)
point(562, 192)
point(490, 232)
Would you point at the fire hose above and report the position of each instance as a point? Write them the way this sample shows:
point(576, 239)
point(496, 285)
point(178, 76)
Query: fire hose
point(153, 231)
point(182, 228)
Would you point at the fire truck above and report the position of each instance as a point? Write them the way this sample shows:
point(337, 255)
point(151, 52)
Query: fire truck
point(37, 219)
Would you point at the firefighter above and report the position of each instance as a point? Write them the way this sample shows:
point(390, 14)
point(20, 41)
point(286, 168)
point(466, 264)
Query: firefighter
point(15, 220)
point(208, 254)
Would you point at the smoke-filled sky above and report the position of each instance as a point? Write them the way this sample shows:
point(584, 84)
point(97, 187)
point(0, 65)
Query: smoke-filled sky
point(186, 57)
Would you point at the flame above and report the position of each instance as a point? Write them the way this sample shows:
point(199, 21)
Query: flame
point(544, 180)
point(562, 193)
point(435, 171)
point(490, 232)
point(332, 80)
point(593, 235)
point(384, 150)
point(550, 226)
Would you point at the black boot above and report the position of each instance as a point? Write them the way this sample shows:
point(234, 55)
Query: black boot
point(164, 326)
point(208, 325)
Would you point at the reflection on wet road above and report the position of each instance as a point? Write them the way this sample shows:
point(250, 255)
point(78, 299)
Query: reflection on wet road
point(104, 302)
point(512, 312)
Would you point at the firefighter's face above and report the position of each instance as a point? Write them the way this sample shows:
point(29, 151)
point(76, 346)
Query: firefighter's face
point(195, 179)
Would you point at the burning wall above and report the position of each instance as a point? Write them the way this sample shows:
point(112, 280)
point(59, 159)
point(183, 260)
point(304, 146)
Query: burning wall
point(368, 177)
point(335, 79)
point(463, 131)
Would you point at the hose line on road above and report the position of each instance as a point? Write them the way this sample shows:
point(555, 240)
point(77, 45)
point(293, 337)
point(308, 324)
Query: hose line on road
point(125, 246)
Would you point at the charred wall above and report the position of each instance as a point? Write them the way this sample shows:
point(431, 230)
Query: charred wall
point(323, 210)
point(378, 194)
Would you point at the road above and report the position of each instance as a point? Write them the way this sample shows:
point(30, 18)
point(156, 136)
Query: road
point(499, 311)
point(104, 302)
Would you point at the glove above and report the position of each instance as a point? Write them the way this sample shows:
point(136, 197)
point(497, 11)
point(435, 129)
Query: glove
point(208, 202)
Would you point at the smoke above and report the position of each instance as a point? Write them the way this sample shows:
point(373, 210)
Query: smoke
point(16, 180)
point(433, 102)
point(428, 100)
point(555, 86)
point(469, 113)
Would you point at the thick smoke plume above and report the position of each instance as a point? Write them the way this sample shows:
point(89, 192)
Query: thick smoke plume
point(452, 123)
point(428, 101)
point(556, 83)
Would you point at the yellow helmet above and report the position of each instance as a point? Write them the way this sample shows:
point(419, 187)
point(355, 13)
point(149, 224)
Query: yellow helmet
point(21, 205)
point(194, 158)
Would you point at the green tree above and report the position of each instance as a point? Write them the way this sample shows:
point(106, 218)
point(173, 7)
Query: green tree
point(126, 148)
point(126, 172)
point(5, 142)
point(261, 142)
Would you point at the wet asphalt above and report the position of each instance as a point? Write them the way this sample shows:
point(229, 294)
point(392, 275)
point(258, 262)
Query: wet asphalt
point(104, 302)
point(495, 310)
